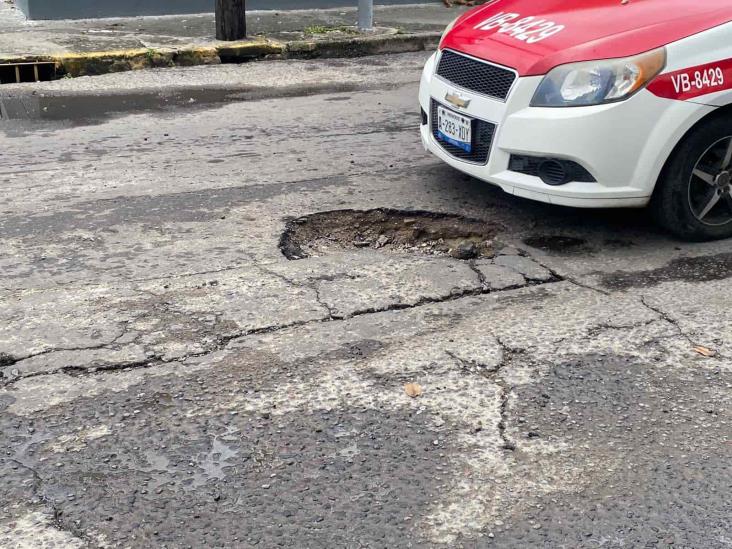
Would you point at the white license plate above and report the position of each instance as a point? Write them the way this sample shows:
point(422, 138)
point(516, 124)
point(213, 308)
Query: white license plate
point(454, 128)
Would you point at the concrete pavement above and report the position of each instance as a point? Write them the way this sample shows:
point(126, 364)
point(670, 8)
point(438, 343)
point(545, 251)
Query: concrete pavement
point(171, 379)
point(98, 46)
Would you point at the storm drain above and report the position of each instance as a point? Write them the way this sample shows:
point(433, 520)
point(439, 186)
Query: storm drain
point(15, 73)
point(422, 232)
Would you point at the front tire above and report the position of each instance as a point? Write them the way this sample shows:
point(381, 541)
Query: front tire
point(693, 198)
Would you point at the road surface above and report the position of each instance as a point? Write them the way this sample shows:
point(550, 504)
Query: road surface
point(171, 378)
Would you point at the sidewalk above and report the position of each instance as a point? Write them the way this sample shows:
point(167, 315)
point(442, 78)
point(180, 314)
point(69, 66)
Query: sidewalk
point(97, 46)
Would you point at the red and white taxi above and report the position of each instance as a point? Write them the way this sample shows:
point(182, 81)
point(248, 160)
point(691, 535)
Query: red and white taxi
point(591, 103)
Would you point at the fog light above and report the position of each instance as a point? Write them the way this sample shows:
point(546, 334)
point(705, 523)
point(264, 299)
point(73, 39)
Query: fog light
point(552, 171)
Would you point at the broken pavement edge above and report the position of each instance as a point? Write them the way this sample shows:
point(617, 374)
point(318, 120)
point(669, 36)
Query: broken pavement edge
point(102, 62)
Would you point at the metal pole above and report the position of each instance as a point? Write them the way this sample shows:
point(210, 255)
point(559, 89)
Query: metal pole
point(365, 15)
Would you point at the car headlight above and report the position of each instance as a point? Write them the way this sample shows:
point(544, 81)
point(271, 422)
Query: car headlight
point(598, 82)
point(449, 28)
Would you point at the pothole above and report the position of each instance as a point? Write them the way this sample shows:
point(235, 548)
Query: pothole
point(427, 233)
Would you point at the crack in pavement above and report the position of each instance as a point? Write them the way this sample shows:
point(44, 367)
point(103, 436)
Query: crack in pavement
point(37, 480)
point(313, 285)
point(507, 356)
point(157, 360)
point(481, 277)
point(60, 526)
point(494, 375)
point(661, 317)
point(473, 292)
point(52, 506)
point(322, 303)
point(77, 371)
point(596, 330)
point(280, 276)
point(473, 366)
point(664, 316)
point(9, 360)
point(565, 278)
point(223, 342)
point(579, 284)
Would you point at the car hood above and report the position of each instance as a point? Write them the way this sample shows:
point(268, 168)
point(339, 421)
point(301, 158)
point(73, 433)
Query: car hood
point(534, 37)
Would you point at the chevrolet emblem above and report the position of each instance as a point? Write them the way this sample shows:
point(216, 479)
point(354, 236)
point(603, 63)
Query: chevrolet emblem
point(455, 99)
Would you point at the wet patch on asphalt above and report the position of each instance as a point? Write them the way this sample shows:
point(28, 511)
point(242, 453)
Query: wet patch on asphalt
point(93, 109)
point(317, 478)
point(687, 269)
point(90, 108)
point(618, 243)
point(558, 244)
point(426, 233)
point(194, 206)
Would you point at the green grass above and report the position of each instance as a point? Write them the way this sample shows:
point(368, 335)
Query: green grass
point(322, 29)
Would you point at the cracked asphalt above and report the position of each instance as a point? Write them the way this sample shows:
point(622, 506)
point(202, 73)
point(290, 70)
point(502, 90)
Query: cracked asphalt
point(168, 378)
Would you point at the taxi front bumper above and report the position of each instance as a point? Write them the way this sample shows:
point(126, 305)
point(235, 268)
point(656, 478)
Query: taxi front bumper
point(622, 145)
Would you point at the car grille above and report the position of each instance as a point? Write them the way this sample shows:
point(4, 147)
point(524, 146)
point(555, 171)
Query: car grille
point(474, 75)
point(482, 139)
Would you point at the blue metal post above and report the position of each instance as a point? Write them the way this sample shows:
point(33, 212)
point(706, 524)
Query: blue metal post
point(365, 15)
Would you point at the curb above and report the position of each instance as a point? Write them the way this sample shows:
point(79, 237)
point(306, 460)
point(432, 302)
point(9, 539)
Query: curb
point(363, 45)
point(102, 62)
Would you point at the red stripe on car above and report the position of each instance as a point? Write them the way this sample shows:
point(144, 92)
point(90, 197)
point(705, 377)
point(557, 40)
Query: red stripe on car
point(694, 82)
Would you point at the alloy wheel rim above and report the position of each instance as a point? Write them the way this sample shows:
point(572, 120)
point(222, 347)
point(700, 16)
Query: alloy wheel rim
point(710, 185)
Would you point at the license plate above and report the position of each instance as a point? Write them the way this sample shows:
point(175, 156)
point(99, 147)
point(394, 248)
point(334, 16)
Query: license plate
point(455, 129)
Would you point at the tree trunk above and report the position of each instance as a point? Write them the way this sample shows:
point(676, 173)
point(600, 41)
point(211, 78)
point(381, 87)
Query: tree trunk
point(231, 20)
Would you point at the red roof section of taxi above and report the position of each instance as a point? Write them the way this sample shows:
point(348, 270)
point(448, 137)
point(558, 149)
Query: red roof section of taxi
point(593, 29)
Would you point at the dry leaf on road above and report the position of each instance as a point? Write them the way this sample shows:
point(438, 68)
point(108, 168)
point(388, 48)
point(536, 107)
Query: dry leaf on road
point(704, 351)
point(413, 389)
